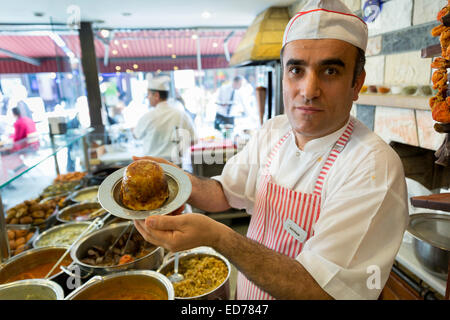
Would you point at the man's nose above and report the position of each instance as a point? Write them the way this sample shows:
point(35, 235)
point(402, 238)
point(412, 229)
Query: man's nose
point(310, 86)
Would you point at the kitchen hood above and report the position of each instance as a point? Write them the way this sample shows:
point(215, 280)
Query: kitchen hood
point(262, 41)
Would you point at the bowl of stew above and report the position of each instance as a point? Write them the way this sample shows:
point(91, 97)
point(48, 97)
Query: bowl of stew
point(127, 285)
point(33, 264)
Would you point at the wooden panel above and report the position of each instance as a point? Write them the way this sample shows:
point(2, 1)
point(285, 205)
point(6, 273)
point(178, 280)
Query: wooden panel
point(435, 201)
point(397, 289)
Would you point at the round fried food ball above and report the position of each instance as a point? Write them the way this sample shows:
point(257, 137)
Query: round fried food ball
point(144, 186)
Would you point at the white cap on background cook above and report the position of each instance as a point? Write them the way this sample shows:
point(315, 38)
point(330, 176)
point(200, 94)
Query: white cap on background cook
point(159, 83)
point(327, 19)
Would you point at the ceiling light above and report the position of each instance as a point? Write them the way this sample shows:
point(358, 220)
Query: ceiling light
point(118, 68)
point(104, 33)
point(215, 45)
point(100, 78)
point(158, 71)
point(135, 66)
point(52, 75)
point(194, 36)
point(206, 15)
point(126, 14)
point(174, 56)
point(169, 45)
point(69, 76)
point(124, 46)
point(116, 42)
point(175, 68)
point(114, 52)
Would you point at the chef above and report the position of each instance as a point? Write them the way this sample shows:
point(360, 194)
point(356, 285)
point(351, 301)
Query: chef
point(327, 196)
point(165, 130)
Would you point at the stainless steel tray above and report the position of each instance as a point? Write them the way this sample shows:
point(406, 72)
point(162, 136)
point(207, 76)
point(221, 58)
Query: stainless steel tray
point(431, 228)
point(180, 188)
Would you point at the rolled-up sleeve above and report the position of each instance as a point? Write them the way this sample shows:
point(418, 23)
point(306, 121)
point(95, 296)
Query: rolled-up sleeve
point(360, 230)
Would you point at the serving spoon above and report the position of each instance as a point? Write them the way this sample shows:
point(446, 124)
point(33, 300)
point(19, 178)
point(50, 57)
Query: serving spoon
point(176, 277)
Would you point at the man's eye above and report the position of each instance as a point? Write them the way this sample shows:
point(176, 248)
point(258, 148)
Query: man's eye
point(331, 71)
point(294, 70)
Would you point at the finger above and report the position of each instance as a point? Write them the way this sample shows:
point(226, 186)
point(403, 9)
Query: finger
point(156, 237)
point(163, 222)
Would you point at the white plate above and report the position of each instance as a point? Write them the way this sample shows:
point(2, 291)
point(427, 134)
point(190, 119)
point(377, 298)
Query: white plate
point(180, 188)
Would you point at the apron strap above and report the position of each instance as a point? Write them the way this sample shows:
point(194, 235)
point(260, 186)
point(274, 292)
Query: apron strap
point(337, 148)
point(275, 150)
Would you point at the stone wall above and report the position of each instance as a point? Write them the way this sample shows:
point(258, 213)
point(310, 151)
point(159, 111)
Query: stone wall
point(394, 59)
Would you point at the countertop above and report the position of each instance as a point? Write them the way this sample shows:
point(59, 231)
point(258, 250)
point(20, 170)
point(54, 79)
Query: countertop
point(408, 260)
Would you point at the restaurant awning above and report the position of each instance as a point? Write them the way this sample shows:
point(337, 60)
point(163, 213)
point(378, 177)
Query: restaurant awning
point(134, 50)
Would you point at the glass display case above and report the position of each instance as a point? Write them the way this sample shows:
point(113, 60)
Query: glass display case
point(28, 166)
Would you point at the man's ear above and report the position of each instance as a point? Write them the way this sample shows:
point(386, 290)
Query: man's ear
point(358, 85)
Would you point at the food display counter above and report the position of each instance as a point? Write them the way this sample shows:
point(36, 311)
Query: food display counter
point(28, 167)
point(66, 242)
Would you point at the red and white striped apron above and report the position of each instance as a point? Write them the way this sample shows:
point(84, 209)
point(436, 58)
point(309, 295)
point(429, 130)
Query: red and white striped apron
point(275, 205)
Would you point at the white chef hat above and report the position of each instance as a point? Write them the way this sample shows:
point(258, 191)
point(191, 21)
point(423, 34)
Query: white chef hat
point(159, 83)
point(327, 19)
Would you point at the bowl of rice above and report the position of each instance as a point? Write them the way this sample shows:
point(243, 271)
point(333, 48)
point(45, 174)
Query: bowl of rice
point(206, 274)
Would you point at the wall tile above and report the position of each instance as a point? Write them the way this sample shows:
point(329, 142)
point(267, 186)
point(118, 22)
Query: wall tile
point(409, 39)
point(375, 70)
point(426, 10)
point(395, 15)
point(374, 46)
point(366, 114)
point(396, 124)
point(353, 5)
point(407, 69)
point(428, 137)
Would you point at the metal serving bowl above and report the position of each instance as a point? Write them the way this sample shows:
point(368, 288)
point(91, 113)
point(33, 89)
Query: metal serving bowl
point(124, 286)
point(65, 214)
point(431, 241)
point(222, 292)
point(179, 185)
point(102, 238)
point(32, 289)
point(94, 189)
point(59, 229)
point(28, 260)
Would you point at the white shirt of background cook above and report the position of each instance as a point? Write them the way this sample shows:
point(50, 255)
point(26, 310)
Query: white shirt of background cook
point(364, 209)
point(156, 130)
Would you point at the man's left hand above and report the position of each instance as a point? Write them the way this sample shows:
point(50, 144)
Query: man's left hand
point(181, 232)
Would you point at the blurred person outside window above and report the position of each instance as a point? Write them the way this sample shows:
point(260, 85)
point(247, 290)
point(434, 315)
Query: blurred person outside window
point(229, 103)
point(157, 127)
point(23, 125)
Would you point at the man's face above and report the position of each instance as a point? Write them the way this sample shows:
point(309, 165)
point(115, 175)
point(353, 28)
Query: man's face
point(237, 84)
point(152, 97)
point(317, 86)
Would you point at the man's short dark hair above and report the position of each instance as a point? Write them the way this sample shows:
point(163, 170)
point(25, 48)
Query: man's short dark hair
point(360, 62)
point(163, 95)
point(16, 111)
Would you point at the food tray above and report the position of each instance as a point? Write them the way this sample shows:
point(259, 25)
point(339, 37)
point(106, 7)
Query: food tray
point(180, 188)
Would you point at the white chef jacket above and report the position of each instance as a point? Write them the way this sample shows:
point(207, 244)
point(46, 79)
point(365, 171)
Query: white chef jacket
point(157, 130)
point(364, 210)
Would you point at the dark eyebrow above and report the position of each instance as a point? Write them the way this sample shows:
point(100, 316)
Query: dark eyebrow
point(326, 62)
point(296, 62)
point(332, 62)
